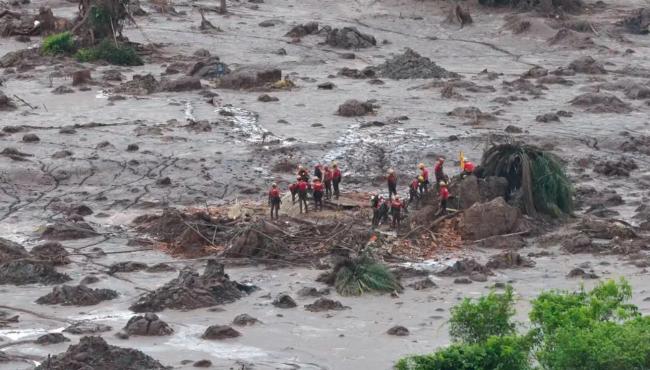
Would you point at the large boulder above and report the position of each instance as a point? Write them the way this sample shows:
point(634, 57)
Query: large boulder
point(79, 295)
point(181, 84)
point(68, 231)
point(483, 220)
point(147, 325)
point(22, 272)
point(250, 78)
point(10, 251)
point(349, 38)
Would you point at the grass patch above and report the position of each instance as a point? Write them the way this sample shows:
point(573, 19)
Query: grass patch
point(106, 50)
point(60, 43)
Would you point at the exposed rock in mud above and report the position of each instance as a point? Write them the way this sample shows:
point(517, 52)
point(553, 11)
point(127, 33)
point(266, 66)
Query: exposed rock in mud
point(605, 228)
point(325, 304)
point(210, 68)
point(578, 272)
point(547, 117)
point(147, 325)
point(483, 220)
point(53, 252)
point(6, 103)
point(557, 8)
point(638, 22)
point(93, 353)
point(472, 113)
point(21, 57)
point(250, 78)
point(31, 138)
point(579, 243)
point(587, 65)
point(535, 72)
point(422, 284)
point(601, 103)
point(459, 16)
point(68, 231)
point(349, 38)
point(326, 86)
point(355, 108)
point(128, 266)
point(22, 272)
point(284, 301)
point(90, 279)
point(412, 65)
point(79, 295)
point(465, 267)
point(312, 292)
point(398, 330)
point(191, 290)
point(368, 72)
point(554, 80)
point(502, 242)
point(571, 39)
point(62, 90)
point(522, 85)
point(62, 154)
point(15, 154)
point(139, 85)
point(81, 77)
point(621, 167)
point(112, 75)
point(245, 320)
point(302, 30)
point(161, 267)
point(509, 260)
point(202, 363)
point(265, 98)
point(636, 143)
point(181, 84)
point(86, 327)
point(10, 251)
point(220, 332)
point(51, 338)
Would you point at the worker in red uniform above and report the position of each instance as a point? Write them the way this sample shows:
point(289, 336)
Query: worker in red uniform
point(424, 182)
point(327, 179)
point(318, 172)
point(439, 171)
point(391, 180)
point(336, 180)
point(302, 194)
point(396, 206)
point(468, 168)
point(413, 189)
point(303, 174)
point(444, 196)
point(293, 188)
point(317, 185)
point(375, 203)
point(274, 200)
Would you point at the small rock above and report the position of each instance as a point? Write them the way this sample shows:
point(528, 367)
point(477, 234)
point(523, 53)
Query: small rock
point(462, 280)
point(513, 129)
point(312, 292)
point(62, 90)
point(245, 320)
point(90, 279)
point(267, 98)
point(164, 181)
point(51, 338)
point(160, 267)
point(203, 363)
point(284, 301)
point(87, 327)
point(31, 138)
point(326, 86)
point(68, 130)
point(219, 332)
point(132, 148)
point(347, 56)
point(422, 284)
point(578, 272)
point(147, 325)
point(325, 304)
point(398, 330)
point(81, 77)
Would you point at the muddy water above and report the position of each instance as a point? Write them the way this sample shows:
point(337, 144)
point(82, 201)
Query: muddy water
point(216, 166)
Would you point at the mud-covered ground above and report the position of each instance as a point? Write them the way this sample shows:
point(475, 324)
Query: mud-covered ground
point(244, 145)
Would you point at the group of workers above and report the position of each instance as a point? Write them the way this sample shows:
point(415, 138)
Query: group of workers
point(325, 179)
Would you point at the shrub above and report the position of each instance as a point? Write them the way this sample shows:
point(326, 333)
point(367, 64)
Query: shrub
point(107, 50)
point(475, 322)
point(60, 43)
point(496, 353)
point(359, 275)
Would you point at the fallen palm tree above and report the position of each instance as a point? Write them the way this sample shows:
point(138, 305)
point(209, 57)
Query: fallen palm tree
point(354, 276)
point(538, 175)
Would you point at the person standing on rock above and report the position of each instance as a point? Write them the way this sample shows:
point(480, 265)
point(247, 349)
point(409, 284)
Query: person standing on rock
point(336, 179)
point(318, 172)
point(396, 206)
point(303, 174)
point(444, 196)
point(318, 194)
point(439, 171)
point(274, 200)
point(424, 181)
point(293, 188)
point(302, 194)
point(391, 180)
point(328, 182)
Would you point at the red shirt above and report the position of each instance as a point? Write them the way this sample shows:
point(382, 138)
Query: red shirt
point(302, 186)
point(274, 193)
point(336, 175)
point(328, 175)
point(444, 193)
point(392, 179)
point(425, 174)
point(438, 169)
point(469, 167)
point(415, 184)
point(396, 204)
point(293, 187)
point(318, 187)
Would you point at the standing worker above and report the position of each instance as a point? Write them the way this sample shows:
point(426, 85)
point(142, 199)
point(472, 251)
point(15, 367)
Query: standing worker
point(391, 179)
point(318, 194)
point(328, 182)
point(413, 189)
point(303, 174)
point(274, 200)
point(444, 196)
point(293, 188)
point(302, 194)
point(396, 212)
point(439, 171)
point(424, 181)
point(336, 180)
point(468, 168)
point(318, 172)
point(374, 204)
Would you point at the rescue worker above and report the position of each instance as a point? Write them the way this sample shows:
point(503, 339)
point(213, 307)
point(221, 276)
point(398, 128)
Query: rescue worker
point(302, 194)
point(318, 172)
point(318, 193)
point(444, 196)
point(424, 184)
point(413, 189)
point(439, 171)
point(293, 188)
point(468, 168)
point(396, 211)
point(336, 179)
point(384, 208)
point(374, 205)
point(303, 174)
point(274, 200)
point(327, 176)
point(391, 180)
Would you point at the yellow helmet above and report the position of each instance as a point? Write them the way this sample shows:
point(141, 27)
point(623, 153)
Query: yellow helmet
point(421, 165)
point(443, 184)
point(421, 178)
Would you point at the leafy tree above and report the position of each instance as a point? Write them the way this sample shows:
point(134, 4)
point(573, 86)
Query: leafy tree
point(475, 322)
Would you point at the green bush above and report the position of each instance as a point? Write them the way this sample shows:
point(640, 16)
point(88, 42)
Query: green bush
point(60, 43)
point(475, 322)
point(106, 50)
point(496, 353)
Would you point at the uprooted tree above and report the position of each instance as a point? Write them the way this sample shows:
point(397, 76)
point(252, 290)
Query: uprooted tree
point(100, 19)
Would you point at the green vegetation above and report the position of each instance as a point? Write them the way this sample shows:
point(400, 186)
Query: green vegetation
point(60, 43)
point(583, 330)
point(490, 316)
point(355, 276)
point(539, 176)
point(107, 50)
